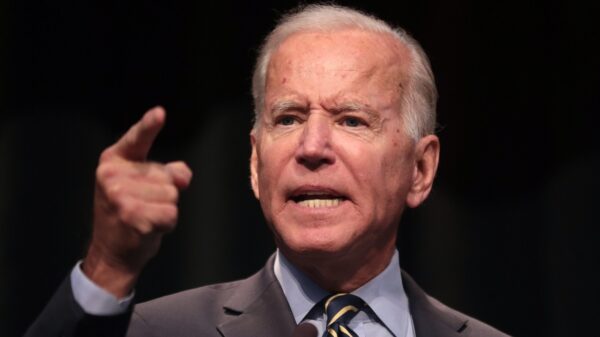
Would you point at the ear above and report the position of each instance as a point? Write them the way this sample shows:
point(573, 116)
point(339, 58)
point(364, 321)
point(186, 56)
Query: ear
point(427, 155)
point(254, 165)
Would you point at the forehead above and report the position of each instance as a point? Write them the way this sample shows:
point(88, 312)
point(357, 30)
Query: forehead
point(339, 58)
point(351, 39)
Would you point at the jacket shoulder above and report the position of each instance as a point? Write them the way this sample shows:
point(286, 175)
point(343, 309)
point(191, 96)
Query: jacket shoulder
point(197, 309)
point(433, 318)
point(200, 311)
point(471, 326)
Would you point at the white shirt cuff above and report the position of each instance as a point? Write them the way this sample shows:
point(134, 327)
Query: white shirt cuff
point(93, 299)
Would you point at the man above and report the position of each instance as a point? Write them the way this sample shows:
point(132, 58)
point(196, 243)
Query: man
point(343, 141)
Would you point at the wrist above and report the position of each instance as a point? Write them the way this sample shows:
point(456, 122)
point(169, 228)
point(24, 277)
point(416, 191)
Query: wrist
point(109, 274)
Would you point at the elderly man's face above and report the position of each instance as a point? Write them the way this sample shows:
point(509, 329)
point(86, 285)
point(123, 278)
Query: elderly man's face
point(331, 163)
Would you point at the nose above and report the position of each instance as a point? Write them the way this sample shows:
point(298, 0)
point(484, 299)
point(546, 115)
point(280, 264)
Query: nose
point(314, 149)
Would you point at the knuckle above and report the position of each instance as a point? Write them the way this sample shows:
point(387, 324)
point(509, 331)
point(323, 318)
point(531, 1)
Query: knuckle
point(114, 191)
point(174, 213)
point(144, 228)
point(103, 171)
point(171, 214)
point(172, 193)
point(128, 212)
point(107, 154)
point(125, 215)
point(106, 170)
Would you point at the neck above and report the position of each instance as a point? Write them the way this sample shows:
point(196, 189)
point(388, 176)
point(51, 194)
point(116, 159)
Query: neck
point(343, 272)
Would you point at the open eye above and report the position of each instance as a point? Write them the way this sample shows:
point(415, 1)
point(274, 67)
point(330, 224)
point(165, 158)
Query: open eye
point(352, 122)
point(286, 120)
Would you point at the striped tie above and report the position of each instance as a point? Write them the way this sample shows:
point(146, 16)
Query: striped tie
point(340, 309)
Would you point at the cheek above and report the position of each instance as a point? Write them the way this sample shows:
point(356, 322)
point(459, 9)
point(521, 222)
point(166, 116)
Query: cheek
point(273, 157)
point(378, 168)
point(266, 177)
point(267, 181)
point(397, 170)
point(391, 180)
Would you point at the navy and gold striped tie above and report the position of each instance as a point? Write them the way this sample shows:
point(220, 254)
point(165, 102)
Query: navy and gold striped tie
point(340, 309)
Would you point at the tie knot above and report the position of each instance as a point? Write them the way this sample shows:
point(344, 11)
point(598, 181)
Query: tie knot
point(340, 308)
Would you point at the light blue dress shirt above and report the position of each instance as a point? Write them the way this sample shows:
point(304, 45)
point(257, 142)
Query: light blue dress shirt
point(93, 299)
point(384, 294)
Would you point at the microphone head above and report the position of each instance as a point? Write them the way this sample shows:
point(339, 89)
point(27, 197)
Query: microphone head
point(305, 329)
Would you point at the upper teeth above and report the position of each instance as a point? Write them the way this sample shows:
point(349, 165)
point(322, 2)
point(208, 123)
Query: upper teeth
point(315, 203)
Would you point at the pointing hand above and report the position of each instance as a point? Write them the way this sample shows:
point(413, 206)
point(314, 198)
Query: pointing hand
point(135, 204)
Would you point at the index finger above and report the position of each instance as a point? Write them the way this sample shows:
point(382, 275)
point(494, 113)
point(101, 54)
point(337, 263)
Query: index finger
point(137, 141)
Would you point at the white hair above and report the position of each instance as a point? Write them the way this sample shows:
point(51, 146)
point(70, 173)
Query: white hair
point(420, 97)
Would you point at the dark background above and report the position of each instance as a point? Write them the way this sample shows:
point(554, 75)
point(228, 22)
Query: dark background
point(509, 234)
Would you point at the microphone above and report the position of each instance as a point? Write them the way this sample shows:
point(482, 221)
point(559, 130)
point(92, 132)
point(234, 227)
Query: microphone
point(305, 329)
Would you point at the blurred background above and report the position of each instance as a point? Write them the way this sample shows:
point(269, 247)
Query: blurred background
point(509, 234)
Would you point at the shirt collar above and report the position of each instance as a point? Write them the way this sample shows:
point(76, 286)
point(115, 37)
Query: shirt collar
point(299, 290)
point(384, 293)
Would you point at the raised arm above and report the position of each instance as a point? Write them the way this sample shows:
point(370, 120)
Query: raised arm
point(135, 204)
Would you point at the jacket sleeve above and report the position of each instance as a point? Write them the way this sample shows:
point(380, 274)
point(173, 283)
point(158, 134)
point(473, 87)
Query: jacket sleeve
point(64, 317)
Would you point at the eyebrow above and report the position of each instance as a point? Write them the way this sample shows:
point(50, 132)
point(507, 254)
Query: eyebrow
point(286, 105)
point(353, 106)
point(350, 106)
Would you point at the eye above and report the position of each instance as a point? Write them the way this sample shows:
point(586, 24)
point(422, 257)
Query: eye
point(352, 122)
point(286, 120)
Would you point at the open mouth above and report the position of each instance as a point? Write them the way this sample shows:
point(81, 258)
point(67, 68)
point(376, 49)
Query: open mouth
point(317, 199)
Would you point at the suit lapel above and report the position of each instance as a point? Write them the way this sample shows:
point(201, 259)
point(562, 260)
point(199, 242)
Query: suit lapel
point(258, 308)
point(429, 317)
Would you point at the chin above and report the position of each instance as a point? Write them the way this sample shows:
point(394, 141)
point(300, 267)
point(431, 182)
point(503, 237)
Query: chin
point(314, 243)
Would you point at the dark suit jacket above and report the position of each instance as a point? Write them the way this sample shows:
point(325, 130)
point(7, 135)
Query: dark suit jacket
point(254, 307)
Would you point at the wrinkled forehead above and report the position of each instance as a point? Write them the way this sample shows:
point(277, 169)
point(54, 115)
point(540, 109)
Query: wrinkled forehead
point(349, 61)
point(339, 50)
